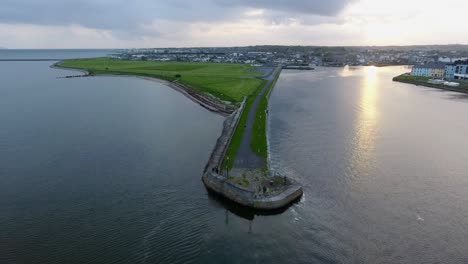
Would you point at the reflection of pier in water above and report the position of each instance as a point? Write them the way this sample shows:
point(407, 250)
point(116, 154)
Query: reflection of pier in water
point(226, 221)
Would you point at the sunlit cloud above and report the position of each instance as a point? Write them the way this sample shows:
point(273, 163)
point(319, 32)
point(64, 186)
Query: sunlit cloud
point(183, 23)
point(254, 12)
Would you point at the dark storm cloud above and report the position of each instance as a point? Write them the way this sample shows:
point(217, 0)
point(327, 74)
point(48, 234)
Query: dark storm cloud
point(127, 15)
point(312, 7)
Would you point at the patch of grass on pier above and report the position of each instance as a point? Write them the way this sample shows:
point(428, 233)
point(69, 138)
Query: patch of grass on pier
point(236, 141)
point(242, 181)
point(259, 143)
point(227, 82)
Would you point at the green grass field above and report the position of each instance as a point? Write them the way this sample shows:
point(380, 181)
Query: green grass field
point(228, 82)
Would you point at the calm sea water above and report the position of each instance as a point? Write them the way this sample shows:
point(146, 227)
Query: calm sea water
point(107, 170)
point(384, 165)
point(22, 54)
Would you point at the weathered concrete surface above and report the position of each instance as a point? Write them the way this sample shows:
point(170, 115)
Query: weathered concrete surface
point(244, 196)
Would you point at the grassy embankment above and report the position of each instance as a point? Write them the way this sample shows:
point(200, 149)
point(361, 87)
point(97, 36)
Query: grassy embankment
point(418, 80)
point(227, 82)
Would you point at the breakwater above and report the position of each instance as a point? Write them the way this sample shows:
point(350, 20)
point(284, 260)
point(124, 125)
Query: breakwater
point(256, 188)
point(229, 126)
point(30, 59)
point(73, 76)
point(252, 186)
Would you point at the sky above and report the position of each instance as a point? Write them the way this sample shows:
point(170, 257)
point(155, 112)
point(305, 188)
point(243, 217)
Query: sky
point(209, 23)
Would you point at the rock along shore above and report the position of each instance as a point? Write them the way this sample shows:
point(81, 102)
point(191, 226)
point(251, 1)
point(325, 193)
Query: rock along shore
point(206, 101)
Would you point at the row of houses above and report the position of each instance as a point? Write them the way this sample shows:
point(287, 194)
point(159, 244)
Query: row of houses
point(457, 70)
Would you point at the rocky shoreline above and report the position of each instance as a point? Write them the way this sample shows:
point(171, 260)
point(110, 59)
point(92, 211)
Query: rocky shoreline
point(206, 101)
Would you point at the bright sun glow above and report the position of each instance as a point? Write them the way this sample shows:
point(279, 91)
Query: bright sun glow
point(366, 125)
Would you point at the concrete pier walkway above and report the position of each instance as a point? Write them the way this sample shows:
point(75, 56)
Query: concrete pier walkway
point(246, 158)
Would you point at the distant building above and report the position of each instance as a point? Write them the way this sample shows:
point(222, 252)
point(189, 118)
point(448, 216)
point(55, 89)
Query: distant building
point(457, 70)
point(450, 71)
point(445, 59)
point(433, 70)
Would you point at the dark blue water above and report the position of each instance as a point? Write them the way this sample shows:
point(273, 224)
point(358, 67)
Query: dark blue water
point(99, 169)
point(107, 170)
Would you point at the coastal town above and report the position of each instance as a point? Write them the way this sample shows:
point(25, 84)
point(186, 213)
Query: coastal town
point(450, 74)
point(304, 55)
point(457, 70)
point(437, 66)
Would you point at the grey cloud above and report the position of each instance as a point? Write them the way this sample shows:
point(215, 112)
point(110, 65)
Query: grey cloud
point(312, 7)
point(128, 16)
point(107, 14)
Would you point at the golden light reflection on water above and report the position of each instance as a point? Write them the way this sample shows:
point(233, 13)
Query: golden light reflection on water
point(366, 123)
point(369, 94)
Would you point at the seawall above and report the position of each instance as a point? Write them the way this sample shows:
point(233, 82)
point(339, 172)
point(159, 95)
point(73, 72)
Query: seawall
point(223, 142)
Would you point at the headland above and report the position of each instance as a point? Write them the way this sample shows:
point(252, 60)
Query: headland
point(238, 168)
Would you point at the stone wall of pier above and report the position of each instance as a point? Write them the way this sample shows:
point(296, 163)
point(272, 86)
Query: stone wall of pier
point(219, 184)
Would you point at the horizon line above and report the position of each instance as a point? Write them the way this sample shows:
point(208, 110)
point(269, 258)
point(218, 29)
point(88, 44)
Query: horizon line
point(246, 46)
